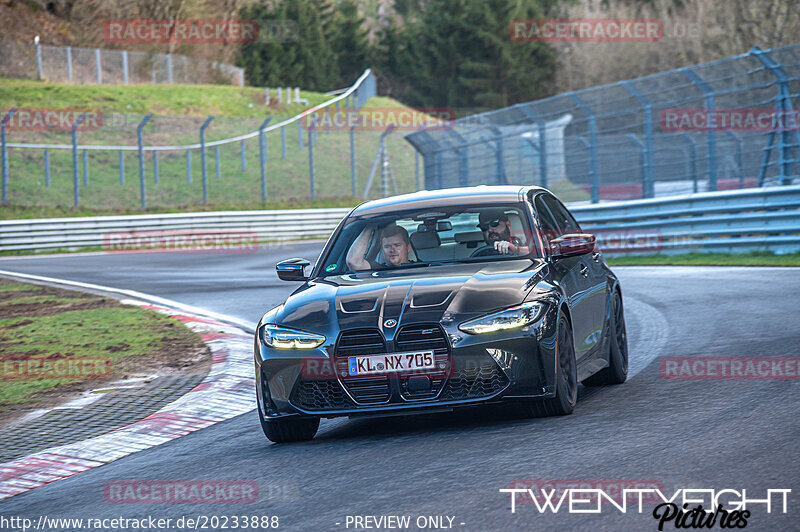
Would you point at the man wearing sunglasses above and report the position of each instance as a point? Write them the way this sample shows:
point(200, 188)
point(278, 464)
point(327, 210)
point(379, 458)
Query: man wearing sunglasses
point(497, 232)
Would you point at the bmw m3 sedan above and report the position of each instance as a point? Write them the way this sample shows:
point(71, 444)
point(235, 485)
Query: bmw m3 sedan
point(441, 299)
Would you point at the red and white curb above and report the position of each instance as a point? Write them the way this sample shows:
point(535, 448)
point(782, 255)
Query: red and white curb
point(227, 391)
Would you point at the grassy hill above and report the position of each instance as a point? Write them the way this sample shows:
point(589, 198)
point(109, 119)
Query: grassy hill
point(180, 110)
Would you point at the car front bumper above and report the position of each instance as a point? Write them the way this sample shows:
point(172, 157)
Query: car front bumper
point(483, 368)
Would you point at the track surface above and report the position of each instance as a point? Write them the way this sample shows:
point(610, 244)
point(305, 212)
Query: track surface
point(683, 434)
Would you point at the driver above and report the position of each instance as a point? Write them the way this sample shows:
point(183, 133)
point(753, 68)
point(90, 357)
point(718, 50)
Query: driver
point(497, 232)
point(395, 244)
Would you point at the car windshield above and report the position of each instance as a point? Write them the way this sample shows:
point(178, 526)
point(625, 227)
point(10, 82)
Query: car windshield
point(411, 239)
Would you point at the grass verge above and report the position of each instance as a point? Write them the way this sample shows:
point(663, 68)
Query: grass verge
point(54, 343)
point(710, 259)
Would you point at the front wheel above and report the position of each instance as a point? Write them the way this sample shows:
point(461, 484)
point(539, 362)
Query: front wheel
point(288, 430)
point(566, 377)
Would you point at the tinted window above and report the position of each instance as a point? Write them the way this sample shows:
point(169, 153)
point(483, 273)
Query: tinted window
point(564, 221)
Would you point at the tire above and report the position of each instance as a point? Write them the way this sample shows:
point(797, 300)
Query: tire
point(566, 377)
point(617, 370)
point(288, 430)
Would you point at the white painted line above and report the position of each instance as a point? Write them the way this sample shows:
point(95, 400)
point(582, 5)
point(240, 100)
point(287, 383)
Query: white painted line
point(248, 326)
point(227, 391)
point(648, 331)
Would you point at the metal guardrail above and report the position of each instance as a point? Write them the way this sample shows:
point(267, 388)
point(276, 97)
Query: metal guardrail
point(756, 219)
point(730, 221)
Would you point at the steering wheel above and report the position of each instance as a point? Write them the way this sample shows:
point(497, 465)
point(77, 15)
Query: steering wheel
point(484, 251)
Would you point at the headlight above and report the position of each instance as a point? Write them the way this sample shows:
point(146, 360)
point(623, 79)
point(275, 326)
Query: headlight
point(283, 338)
point(509, 318)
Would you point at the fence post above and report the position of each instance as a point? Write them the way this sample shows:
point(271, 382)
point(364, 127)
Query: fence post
point(216, 162)
point(379, 159)
point(142, 188)
point(642, 159)
point(125, 66)
point(416, 168)
point(283, 142)
point(353, 186)
point(169, 69)
point(783, 105)
point(648, 187)
point(203, 157)
point(85, 168)
point(710, 136)
point(693, 160)
point(38, 59)
point(739, 156)
point(300, 133)
point(80, 119)
point(98, 66)
point(593, 166)
point(155, 167)
point(121, 167)
point(262, 154)
point(542, 148)
point(46, 167)
point(242, 153)
point(189, 166)
point(311, 155)
point(539, 149)
point(4, 150)
point(463, 158)
point(69, 64)
point(499, 155)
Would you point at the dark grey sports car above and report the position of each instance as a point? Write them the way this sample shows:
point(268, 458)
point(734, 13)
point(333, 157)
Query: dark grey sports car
point(441, 299)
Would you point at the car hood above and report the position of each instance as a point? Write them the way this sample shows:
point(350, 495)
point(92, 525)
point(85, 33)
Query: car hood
point(425, 294)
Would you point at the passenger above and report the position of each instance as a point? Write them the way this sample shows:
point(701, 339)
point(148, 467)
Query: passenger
point(497, 232)
point(395, 244)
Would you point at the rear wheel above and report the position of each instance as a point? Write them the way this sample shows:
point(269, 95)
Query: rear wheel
point(288, 430)
point(617, 370)
point(566, 377)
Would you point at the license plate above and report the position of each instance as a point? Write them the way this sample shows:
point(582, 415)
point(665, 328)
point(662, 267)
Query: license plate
point(391, 363)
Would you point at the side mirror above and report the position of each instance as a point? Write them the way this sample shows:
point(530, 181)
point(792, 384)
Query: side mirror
point(571, 245)
point(292, 269)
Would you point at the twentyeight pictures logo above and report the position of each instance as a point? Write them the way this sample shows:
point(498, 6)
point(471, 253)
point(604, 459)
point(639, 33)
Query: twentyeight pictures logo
point(586, 30)
point(180, 31)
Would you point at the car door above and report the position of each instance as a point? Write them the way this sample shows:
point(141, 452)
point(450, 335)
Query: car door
point(586, 295)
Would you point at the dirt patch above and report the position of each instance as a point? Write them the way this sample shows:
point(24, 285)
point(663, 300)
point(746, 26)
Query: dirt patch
point(149, 345)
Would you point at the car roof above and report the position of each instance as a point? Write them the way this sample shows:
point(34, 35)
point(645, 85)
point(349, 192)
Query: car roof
point(445, 197)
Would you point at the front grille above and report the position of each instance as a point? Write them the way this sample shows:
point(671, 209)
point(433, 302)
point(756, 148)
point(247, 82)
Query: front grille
point(418, 337)
point(323, 394)
point(360, 342)
point(476, 381)
point(365, 390)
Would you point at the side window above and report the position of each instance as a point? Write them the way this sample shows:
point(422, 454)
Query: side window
point(563, 219)
point(549, 226)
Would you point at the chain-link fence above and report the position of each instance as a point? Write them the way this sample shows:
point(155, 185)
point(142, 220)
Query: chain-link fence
point(720, 125)
point(100, 66)
point(126, 161)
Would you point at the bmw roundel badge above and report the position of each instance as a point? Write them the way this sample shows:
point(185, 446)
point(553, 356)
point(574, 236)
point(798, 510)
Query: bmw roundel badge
point(389, 323)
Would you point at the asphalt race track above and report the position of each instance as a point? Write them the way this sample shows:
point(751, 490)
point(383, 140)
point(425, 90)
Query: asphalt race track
point(716, 434)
